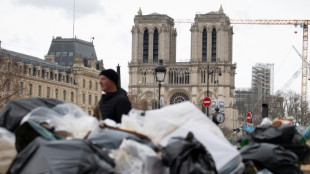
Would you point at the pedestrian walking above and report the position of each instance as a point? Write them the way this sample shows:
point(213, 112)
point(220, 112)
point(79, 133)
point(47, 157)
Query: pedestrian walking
point(114, 102)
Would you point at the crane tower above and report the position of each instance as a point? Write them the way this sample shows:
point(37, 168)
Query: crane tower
point(302, 22)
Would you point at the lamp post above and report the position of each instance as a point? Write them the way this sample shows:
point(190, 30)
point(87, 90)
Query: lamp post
point(160, 72)
point(209, 72)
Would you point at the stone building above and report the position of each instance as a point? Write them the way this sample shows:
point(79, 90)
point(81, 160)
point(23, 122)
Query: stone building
point(262, 81)
point(69, 73)
point(154, 37)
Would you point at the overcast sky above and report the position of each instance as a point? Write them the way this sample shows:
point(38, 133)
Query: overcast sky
point(28, 26)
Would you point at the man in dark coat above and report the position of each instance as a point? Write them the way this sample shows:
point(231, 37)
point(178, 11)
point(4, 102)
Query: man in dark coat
point(114, 102)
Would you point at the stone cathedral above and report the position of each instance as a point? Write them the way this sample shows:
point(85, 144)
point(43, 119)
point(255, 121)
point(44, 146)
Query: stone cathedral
point(154, 37)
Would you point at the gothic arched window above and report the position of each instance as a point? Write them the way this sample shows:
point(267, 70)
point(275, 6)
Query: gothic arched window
point(145, 46)
point(154, 105)
point(204, 45)
point(155, 46)
point(213, 45)
point(178, 98)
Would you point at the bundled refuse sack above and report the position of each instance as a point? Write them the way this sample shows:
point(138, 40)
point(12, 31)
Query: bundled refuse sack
point(14, 111)
point(286, 136)
point(7, 149)
point(187, 156)
point(135, 158)
point(273, 157)
point(28, 131)
point(112, 138)
point(65, 119)
point(62, 157)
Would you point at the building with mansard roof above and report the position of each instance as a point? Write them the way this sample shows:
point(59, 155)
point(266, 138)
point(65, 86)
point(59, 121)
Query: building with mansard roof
point(210, 67)
point(69, 72)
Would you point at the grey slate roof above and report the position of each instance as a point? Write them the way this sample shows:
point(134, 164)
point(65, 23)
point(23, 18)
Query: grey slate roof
point(27, 59)
point(73, 46)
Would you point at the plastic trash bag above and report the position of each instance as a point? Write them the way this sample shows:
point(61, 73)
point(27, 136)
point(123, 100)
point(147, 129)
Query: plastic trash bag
point(62, 157)
point(187, 156)
point(15, 110)
point(273, 157)
point(136, 158)
point(285, 135)
point(65, 117)
point(276, 135)
point(112, 138)
point(266, 122)
point(7, 149)
point(30, 130)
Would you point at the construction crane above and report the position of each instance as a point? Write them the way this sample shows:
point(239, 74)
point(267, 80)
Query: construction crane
point(302, 22)
point(296, 74)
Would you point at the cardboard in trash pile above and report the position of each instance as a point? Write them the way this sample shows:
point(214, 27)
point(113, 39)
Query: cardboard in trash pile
point(305, 169)
point(7, 149)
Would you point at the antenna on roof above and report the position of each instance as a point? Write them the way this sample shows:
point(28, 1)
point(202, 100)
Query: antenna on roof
point(73, 16)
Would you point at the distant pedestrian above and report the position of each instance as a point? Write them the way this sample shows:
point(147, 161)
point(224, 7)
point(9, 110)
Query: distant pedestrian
point(114, 102)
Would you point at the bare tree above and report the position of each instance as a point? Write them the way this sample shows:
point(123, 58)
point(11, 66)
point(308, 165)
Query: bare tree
point(276, 107)
point(10, 85)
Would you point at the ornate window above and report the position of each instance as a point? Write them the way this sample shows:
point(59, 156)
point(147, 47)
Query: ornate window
point(83, 98)
point(48, 92)
point(64, 95)
point(34, 71)
point(145, 46)
point(56, 93)
point(178, 98)
point(72, 97)
point(144, 78)
point(204, 45)
point(154, 105)
point(213, 45)
point(203, 77)
point(89, 99)
point(21, 87)
point(179, 76)
point(155, 46)
point(30, 89)
point(39, 90)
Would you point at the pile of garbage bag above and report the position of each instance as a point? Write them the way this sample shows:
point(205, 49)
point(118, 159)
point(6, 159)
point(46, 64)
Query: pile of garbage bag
point(39, 135)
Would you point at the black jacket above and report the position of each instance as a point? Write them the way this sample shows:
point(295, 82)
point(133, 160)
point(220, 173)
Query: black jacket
point(114, 105)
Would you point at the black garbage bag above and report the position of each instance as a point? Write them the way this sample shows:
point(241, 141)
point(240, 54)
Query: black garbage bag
point(285, 135)
point(273, 157)
point(15, 110)
point(28, 131)
point(62, 157)
point(273, 134)
point(187, 156)
point(112, 139)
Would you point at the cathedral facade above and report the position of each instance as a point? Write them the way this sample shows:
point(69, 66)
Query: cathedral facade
point(209, 71)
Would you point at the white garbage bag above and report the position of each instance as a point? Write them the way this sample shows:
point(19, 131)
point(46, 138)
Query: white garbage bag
point(65, 117)
point(135, 158)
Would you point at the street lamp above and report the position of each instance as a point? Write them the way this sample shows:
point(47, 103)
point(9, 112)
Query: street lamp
point(214, 70)
point(160, 72)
